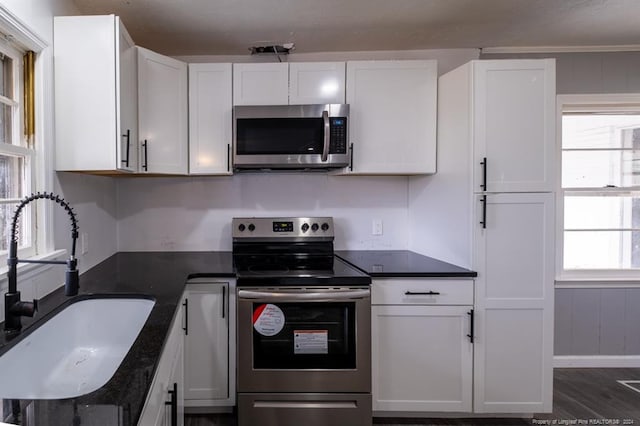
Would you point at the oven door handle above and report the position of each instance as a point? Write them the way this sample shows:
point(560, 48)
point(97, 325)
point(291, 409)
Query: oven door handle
point(315, 296)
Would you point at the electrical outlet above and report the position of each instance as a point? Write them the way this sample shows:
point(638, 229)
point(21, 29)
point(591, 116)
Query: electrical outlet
point(376, 227)
point(84, 243)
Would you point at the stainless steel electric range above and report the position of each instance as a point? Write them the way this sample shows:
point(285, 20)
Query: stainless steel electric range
point(304, 326)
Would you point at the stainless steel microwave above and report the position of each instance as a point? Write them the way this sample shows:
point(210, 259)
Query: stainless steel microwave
point(290, 136)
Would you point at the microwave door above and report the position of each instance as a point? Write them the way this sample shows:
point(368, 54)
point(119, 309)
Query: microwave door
point(274, 142)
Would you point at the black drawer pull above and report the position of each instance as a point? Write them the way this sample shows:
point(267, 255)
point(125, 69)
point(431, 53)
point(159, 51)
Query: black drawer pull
point(470, 335)
point(417, 293)
point(483, 163)
point(186, 316)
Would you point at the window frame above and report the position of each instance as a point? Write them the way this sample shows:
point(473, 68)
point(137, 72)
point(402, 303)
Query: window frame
point(29, 154)
point(623, 102)
point(14, 31)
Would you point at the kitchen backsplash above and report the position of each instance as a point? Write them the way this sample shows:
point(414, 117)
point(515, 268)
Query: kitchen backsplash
point(194, 213)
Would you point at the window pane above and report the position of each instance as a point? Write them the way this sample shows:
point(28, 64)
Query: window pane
point(11, 177)
point(601, 212)
point(601, 249)
point(593, 131)
point(24, 226)
point(6, 135)
point(599, 169)
point(6, 77)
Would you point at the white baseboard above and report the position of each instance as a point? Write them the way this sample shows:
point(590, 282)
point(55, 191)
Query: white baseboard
point(596, 361)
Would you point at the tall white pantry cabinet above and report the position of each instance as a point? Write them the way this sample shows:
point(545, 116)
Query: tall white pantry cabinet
point(495, 183)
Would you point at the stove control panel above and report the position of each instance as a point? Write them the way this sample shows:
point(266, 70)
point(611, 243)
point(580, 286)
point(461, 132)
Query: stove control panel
point(282, 227)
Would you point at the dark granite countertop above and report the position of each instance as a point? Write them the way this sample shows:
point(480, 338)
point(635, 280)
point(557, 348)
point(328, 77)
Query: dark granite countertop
point(120, 402)
point(402, 263)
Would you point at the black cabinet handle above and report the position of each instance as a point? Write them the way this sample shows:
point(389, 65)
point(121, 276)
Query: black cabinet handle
point(228, 157)
point(126, 158)
point(173, 393)
point(484, 174)
point(427, 293)
point(186, 316)
point(224, 296)
point(351, 156)
point(145, 165)
point(470, 335)
point(483, 222)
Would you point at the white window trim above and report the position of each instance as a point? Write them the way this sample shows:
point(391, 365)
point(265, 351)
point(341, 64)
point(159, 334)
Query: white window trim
point(630, 101)
point(24, 37)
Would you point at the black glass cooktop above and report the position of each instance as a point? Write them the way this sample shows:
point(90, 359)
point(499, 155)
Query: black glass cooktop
point(296, 270)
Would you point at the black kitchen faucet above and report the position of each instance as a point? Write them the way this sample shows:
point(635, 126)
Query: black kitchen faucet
point(14, 308)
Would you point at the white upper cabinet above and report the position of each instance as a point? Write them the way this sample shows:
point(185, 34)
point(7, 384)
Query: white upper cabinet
point(210, 118)
point(96, 87)
point(162, 112)
point(392, 122)
point(316, 83)
point(261, 84)
point(513, 125)
point(297, 83)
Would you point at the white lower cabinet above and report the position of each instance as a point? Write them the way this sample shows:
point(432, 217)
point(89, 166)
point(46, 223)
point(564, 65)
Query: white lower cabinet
point(422, 350)
point(165, 402)
point(210, 343)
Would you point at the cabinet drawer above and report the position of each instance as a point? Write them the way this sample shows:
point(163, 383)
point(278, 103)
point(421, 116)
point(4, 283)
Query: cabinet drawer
point(415, 291)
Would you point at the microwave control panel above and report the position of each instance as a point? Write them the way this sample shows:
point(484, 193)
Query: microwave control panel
point(338, 135)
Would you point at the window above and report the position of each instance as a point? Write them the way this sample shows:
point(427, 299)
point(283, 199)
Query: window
point(600, 185)
point(16, 150)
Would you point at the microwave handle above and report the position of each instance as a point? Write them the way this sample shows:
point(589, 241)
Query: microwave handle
point(327, 133)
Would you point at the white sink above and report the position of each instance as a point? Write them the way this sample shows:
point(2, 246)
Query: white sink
point(76, 351)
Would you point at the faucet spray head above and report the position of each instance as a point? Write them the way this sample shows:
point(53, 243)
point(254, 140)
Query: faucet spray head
point(72, 279)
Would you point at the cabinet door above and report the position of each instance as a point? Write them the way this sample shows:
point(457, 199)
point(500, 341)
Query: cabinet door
point(162, 111)
point(85, 83)
point(207, 342)
point(261, 84)
point(316, 83)
point(392, 122)
point(514, 125)
point(210, 118)
point(513, 255)
point(127, 156)
point(156, 411)
point(421, 358)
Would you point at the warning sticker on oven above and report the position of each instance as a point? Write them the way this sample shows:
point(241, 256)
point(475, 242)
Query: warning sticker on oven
point(310, 341)
point(268, 319)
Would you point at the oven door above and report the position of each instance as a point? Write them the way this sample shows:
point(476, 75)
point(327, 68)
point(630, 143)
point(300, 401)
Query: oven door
point(308, 339)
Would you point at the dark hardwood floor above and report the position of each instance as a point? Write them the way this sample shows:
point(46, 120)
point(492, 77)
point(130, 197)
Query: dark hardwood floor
point(581, 396)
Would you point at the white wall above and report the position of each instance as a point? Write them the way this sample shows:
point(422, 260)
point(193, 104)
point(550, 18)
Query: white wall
point(195, 213)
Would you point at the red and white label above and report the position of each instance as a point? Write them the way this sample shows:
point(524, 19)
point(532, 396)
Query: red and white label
point(268, 319)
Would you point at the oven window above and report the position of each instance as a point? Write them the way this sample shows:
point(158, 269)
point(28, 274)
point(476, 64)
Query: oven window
point(288, 136)
point(313, 335)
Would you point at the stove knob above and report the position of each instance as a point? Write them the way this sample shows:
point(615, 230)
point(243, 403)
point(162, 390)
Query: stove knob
point(252, 227)
point(314, 227)
point(241, 227)
point(325, 226)
point(305, 227)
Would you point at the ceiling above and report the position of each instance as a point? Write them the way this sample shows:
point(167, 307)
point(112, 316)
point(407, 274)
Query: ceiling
point(230, 27)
